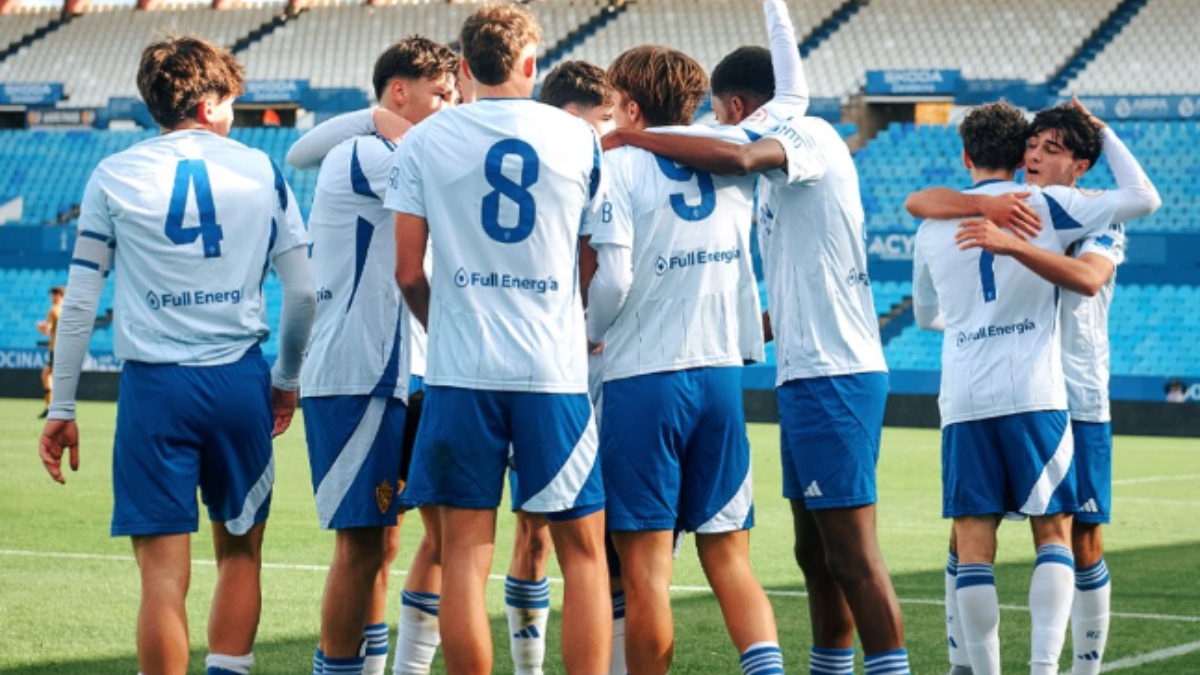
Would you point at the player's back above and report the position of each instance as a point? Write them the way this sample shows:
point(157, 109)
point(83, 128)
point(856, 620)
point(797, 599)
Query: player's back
point(811, 234)
point(195, 218)
point(1001, 352)
point(357, 338)
point(503, 184)
point(693, 297)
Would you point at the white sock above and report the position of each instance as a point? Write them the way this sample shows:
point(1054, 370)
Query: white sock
point(618, 648)
point(417, 636)
point(1050, 594)
point(528, 605)
point(979, 616)
point(376, 636)
point(224, 664)
point(954, 633)
point(1089, 618)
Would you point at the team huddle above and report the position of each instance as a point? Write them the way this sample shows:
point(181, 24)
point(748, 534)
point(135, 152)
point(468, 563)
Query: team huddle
point(484, 278)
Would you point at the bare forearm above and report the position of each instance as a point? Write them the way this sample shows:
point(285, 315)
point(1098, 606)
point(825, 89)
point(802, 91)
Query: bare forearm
point(1085, 277)
point(943, 203)
point(706, 154)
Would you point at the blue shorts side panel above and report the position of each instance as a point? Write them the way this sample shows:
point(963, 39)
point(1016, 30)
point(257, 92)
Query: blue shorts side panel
point(1093, 471)
point(354, 447)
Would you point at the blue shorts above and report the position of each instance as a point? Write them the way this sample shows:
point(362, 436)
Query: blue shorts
point(1014, 463)
point(180, 428)
point(677, 452)
point(354, 447)
point(463, 442)
point(829, 429)
point(1093, 471)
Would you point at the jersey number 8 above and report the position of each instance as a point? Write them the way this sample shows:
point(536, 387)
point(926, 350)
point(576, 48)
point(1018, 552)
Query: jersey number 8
point(505, 187)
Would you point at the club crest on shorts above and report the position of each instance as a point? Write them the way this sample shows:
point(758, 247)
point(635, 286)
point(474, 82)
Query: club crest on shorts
point(383, 496)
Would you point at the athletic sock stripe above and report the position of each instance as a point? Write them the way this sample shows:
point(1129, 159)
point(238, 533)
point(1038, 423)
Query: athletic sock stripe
point(1093, 577)
point(425, 602)
point(1055, 553)
point(618, 603)
point(952, 564)
point(522, 594)
point(894, 662)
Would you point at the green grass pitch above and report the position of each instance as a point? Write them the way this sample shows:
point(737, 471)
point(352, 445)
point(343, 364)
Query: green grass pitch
point(68, 592)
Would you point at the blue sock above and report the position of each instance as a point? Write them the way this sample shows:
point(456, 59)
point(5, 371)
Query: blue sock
point(376, 637)
point(350, 666)
point(618, 601)
point(894, 662)
point(318, 662)
point(822, 661)
point(762, 658)
point(1093, 577)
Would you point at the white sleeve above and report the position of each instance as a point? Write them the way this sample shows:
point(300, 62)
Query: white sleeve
point(805, 157)
point(1110, 245)
point(1077, 214)
point(310, 149)
point(296, 317)
point(406, 184)
point(925, 300)
point(1136, 195)
point(374, 156)
point(289, 223)
point(791, 87)
point(75, 324)
point(609, 288)
point(612, 222)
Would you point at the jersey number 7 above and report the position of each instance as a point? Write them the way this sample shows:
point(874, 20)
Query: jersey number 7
point(189, 173)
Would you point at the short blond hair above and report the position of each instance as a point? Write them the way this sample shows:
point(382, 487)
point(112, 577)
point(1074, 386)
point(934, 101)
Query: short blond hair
point(493, 38)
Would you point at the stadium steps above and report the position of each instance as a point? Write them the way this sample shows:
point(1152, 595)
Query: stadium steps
point(1096, 42)
point(896, 320)
point(276, 22)
point(830, 26)
point(36, 35)
point(606, 15)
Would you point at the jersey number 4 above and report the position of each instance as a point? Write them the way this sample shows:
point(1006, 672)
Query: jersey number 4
point(505, 187)
point(192, 173)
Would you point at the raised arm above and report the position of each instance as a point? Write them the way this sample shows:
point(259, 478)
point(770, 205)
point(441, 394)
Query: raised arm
point(791, 87)
point(310, 149)
point(1136, 195)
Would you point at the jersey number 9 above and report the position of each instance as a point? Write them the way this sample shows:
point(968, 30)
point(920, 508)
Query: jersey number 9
point(704, 181)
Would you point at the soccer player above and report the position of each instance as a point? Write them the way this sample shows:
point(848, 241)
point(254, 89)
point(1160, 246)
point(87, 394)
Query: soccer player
point(49, 328)
point(832, 378)
point(193, 221)
point(673, 246)
point(1006, 443)
point(498, 190)
point(355, 383)
point(1064, 143)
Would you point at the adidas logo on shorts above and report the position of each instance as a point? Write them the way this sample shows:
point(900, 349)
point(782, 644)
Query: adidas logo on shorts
point(813, 490)
point(1089, 507)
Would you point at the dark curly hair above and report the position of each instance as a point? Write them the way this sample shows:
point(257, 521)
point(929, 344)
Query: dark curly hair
point(1076, 131)
point(745, 72)
point(413, 58)
point(994, 136)
point(177, 73)
point(576, 83)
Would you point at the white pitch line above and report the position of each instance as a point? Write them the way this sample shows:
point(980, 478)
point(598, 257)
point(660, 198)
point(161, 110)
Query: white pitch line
point(1150, 657)
point(1155, 479)
point(500, 577)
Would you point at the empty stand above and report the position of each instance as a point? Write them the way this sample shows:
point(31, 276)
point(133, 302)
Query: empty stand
point(1013, 39)
point(15, 27)
point(1157, 53)
point(96, 55)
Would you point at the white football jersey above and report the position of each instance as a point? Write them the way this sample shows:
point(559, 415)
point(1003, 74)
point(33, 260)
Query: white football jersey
point(1085, 348)
point(1001, 352)
point(196, 219)
point(694, 300)
point(503, 184)
point(358, 338)
point(812, 241)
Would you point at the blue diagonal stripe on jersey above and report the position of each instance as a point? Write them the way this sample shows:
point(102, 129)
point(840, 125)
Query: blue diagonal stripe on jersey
point(391, 372)
point(267, 258)
point(987, 275)
point(1059, 216)
point(358, 179)
point(362, 246)
point(280, 187)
